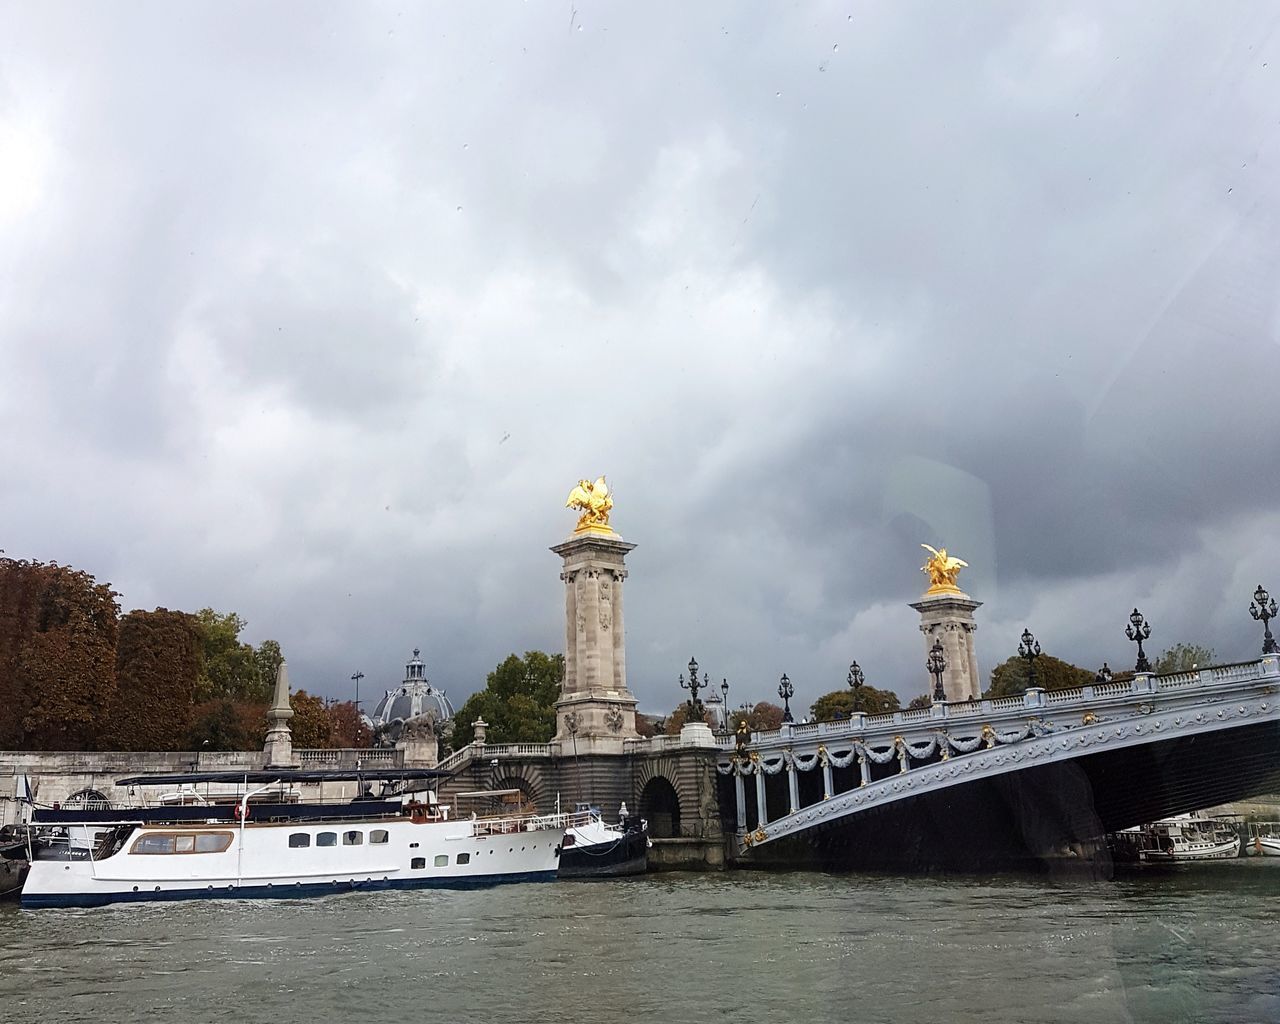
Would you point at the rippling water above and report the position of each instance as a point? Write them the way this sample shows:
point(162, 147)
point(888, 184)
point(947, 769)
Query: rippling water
point(1196, 946)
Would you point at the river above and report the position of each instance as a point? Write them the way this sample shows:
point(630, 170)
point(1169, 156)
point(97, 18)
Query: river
point(1198, 945)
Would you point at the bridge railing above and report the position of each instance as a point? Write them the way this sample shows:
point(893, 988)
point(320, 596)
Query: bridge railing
point(341, 757)
point(474, 751)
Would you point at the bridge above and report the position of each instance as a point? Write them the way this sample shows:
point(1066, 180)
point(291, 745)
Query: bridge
point(1040, 776)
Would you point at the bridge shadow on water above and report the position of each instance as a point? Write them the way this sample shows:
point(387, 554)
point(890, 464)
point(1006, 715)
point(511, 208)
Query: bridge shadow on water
point(1045, 819)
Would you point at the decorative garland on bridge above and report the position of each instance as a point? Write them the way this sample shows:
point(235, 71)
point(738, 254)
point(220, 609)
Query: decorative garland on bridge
point(903, 750)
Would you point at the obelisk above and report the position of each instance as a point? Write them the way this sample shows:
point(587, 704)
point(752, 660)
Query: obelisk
point(946, 614)
point(596, 711)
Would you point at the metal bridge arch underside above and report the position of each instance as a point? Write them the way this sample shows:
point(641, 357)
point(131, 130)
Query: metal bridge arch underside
point(1081, 769)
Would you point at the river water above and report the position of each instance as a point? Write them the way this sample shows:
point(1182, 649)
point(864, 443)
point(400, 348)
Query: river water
point(1199, 945)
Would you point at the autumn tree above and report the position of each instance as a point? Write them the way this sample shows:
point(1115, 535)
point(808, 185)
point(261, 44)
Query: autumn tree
point(838, 704)
point(157, 664)
point(1010, 677)
point(764, 717)
point(311, 725)
point(64, 673)
point(225, 724)
point(346, 727)
point(518, 701)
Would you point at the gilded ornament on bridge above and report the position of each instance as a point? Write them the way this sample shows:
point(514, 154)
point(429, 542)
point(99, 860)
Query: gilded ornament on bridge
point(594, 502)
point(943, 570)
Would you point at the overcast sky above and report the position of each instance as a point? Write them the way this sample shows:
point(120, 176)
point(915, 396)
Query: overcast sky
point(316, 313)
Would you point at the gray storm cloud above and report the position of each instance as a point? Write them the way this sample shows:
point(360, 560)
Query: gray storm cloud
point(316, 314)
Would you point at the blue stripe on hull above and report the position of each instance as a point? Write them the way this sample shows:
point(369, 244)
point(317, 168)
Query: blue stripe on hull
point(32, 901)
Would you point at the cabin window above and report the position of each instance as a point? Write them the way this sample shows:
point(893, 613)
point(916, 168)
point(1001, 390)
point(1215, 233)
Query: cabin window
point(153, 844)
point(299, 840)
point(442, 860)
point(352, 838)
point(179, 842)
point(464, 858)
point(418, 863)
point(327, 839)
point(379, 835)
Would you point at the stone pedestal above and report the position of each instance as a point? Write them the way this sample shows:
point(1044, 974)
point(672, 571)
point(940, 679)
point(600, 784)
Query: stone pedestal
point(595, 710)
point(948, 617)
point(697, 734)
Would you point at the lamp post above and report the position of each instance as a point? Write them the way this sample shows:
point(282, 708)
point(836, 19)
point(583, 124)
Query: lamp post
point(1029, 648)
point(355, 678)
point(724, 703)
point(1139, 629)
point(1263, 609)
point(786, 691)
point(856, 679)
point(696, 710)
point(936, 665)
point(1104, 674)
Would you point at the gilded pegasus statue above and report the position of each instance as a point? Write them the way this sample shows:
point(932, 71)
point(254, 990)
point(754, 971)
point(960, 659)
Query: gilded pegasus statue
point(942, 569)
point(594, 501)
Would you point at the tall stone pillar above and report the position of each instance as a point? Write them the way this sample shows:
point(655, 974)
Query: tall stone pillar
point(596, 711)
point(278, 749)
point(946, 615)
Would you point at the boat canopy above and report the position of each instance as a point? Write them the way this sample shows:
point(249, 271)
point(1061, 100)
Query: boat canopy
point(288, 775)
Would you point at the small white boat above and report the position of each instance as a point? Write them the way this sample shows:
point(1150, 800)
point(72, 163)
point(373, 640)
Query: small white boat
point(1264, 839)
point(273, 848)
point(1188, 838)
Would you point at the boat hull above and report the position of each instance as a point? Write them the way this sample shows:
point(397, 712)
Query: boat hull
point(1194, 852)
point(627, 854)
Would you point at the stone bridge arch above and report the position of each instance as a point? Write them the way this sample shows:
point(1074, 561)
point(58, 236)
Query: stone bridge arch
point(680, 792)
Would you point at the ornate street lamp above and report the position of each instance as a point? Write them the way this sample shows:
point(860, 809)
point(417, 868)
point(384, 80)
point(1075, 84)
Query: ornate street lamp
point(1263, 608)
point(936, 665)
point(1104, 674)
point(724, 703)
point(1139, 629)
point(355, 678)
point(1029, 649)
point(696, 710)
point(786, 691)
point(856, 679)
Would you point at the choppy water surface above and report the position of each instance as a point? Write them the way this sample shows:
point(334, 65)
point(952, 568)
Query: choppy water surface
point(1202, 946)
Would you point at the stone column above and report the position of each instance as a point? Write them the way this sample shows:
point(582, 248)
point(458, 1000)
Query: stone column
point(793, 789)
point(949, 617)
point(762, 809)
point(594, 690)
point(740, 793)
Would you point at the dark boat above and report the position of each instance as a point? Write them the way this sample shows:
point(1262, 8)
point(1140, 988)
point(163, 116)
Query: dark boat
point(599, 850)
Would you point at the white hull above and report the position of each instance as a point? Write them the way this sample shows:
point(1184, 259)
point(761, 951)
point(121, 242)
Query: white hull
point(1194, 851)
point(269, 860)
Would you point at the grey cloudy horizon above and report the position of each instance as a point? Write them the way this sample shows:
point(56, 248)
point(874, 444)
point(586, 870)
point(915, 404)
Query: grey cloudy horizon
point(316, 313)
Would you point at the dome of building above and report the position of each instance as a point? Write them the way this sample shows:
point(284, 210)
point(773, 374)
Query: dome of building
point(413, 698)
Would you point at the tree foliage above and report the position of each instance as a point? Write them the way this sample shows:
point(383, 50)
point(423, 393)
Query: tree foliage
point(920, 700)
point(764, 717)
point(225, 724)
point(347, 728)
point(229, 667)
point(838, 704)
point(1184, 658)
point(681, 716)
point(311, 725)
point(518, 701)
point(1009, 678)
point(157, 661)
point(57, 655)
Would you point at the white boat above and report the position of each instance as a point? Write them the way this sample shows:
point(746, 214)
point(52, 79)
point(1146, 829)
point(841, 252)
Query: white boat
point(262, 847)
point(1264, 839)
point(1188, 838)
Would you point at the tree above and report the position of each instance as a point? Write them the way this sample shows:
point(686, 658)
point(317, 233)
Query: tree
point(230, 668)
point(1184, 658)
point(518, 701)
point(647, 725)
point(346, 727)
point(838, 704)
point(225, 724)
point(157, 663)
point(764, 717)
point(1009, 678)
point(65, 672)
point(311, 726)
point(680, 717)
point(922, 700)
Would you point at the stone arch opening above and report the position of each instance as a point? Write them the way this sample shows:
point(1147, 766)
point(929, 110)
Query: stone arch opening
point(522, 784)
point(87, 800)
point(660, 807)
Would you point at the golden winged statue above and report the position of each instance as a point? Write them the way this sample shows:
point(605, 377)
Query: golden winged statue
point(942, 570)
point(594, 501)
